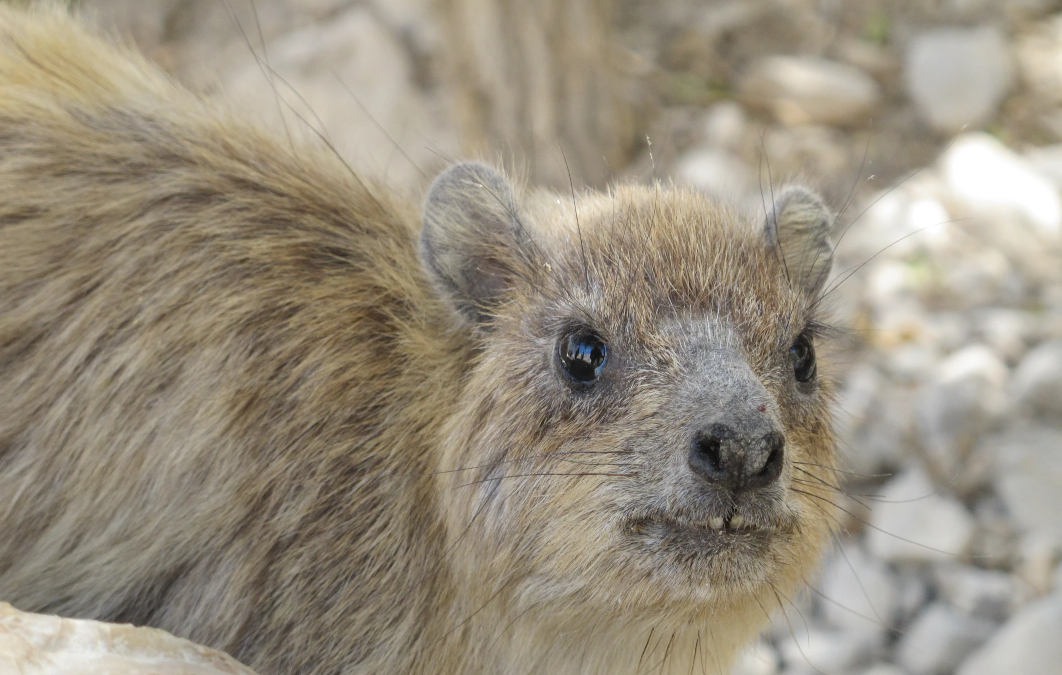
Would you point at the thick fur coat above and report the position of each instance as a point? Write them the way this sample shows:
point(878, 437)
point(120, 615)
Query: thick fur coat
point(245, 399)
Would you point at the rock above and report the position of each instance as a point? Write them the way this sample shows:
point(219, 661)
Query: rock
point(914, 521)
point(1028, 644)
point(36, 644)
point(1037, 381)
point(986, 176)
point(1008, 331)
point(1036, 567)
point(354, 54)
point(989, 594)
point(884, 669)
point(826, 651)
point(871, 421)
point(759, 659)
point(809, 90)
point(914, 591)
point(1029, 478)
point(940, 638)
point(859, 593)
point(964, 402)
point(958, 76)
point(713, 170)
point(725, 125)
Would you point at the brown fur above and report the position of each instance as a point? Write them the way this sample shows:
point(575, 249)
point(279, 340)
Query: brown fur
point(234, 405)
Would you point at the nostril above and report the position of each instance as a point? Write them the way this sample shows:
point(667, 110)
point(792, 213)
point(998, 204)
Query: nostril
point(711, 450)
point(706, 455)
point(775, 444)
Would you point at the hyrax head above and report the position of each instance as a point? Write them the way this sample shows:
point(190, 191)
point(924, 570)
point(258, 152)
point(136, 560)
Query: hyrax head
point(643, 426)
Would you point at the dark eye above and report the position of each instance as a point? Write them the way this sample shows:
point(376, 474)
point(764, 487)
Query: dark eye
point(803, 355)
point(583, 355)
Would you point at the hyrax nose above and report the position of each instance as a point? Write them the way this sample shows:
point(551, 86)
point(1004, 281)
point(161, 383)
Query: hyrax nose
point(736, 461)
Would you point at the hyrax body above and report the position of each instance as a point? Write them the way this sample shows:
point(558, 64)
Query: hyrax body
point(246, 399)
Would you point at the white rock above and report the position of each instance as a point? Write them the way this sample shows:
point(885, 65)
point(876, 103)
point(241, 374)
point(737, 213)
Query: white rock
point(759, 659)
point(965, 401)
point(1029, 644)
point(884, 669)
point(914, 521)
point(35, 644)
point(985, 175)
point(714, 170)
point(871, 422)
point(958, 76)
point(991, 594)
point(859, 593)
point(1029, 478)
point(940, 638)
point(827, 651)
point(1038, 381)
point(809, 90)
point(725, 125)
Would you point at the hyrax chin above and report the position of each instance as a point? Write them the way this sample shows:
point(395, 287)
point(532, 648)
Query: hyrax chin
point(256, 400)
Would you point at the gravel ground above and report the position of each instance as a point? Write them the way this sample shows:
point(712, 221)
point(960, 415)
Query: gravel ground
point(935, 127)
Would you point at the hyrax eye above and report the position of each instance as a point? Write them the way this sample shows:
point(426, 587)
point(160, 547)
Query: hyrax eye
point(802, 354)
point(582, 356)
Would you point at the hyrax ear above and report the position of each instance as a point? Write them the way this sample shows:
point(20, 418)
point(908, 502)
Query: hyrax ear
point(472, 240)
point(799, 227)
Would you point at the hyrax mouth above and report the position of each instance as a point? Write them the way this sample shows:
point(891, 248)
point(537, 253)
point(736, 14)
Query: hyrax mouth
point(731, 525)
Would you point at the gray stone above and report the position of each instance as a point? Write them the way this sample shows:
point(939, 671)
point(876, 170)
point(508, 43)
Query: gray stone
point(964, 402)
point(1028, 644)
point(871, 419)
point(1037, 381)
point(986, 177)
point(958, 76)
point(1029, 478)
point(859, 593)
point(759, 659)
point(991, 594)
point(827, 651)
point(913, 521)
point(809, 90)
point(940, 638)
point(714, 170)
point(884, 669)
point(725, 125)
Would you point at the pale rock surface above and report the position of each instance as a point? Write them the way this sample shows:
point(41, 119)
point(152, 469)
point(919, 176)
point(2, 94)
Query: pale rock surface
point(991, 594)
point(1038, 381)
point(913, 521)
point(36, 644)
point(940, 638)
point(964, 402)
point(828, 651)
point(725, 125)
point(810, 90)
point(714, 170)
point(884, 669)
point(985, 175)
point(1028, 644)
point(860, 594)
point(759, 659)
point(1029, 478)
point(958, 76)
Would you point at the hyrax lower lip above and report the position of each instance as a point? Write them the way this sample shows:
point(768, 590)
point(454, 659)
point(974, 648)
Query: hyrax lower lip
point(732, 524)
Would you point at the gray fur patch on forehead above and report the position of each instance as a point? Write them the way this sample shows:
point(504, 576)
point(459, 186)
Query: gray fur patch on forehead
point(798, 226)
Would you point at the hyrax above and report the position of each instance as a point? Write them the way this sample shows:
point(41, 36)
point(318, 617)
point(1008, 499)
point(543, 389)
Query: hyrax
point(254, 399)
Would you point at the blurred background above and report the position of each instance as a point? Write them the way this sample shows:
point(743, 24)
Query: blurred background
point(934, 127)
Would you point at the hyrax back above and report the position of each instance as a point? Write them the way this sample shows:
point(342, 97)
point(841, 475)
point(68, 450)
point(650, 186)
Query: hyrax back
point(244, 398)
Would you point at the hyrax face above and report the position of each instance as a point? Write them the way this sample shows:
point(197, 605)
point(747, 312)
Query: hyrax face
point(645, 428)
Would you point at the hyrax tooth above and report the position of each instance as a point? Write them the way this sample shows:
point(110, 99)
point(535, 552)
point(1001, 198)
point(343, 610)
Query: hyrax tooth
point(716, 523)
point(737, 522)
